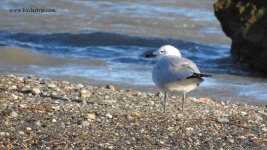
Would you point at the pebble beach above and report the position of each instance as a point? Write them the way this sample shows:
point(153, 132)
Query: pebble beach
point(46, 114)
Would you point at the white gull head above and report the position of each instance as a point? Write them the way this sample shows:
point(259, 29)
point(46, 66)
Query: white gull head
point(167, 50)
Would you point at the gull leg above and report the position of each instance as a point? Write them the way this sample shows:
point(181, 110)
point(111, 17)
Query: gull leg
point(183, 102)
point(165, 100)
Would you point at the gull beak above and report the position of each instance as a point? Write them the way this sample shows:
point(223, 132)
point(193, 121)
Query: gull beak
point(149, 54)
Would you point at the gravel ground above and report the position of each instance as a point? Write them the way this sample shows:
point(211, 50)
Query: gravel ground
point(46, 114)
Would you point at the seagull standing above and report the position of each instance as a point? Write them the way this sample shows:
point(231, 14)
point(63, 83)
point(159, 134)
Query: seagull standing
point(174, 73)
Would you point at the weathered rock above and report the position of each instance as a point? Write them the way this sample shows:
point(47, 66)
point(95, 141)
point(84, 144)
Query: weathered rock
point(85, 123)
point(244, 21)
point(206, 101)
point(15, 96)
point(14, 114)
point(80, 85)
point(90, 116)
point(36, 90)
point(222, 120)
point(51, 85)
point(84, 93)
point(109, 116)
point(230, 139)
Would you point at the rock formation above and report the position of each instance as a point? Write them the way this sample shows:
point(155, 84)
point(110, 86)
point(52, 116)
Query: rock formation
point(245, 22)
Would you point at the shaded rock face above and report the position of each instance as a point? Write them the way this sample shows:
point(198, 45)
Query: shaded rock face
point(245, 22)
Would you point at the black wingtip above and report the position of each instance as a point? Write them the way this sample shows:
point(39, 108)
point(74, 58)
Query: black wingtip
point(198, 75)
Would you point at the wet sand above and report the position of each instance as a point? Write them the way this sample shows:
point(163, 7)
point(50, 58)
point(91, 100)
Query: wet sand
point(11, 55)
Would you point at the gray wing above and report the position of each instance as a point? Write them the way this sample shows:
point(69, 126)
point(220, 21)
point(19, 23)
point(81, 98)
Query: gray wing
point(173, 68)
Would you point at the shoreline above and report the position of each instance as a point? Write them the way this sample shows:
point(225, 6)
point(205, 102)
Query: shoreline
point(38, 113)
point(207, 91)
point(202, 91)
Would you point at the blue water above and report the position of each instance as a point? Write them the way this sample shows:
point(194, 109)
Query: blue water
point(122, 61)
point(119, 49)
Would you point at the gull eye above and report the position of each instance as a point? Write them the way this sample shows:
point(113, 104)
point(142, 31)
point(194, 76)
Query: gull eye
point(161, 51)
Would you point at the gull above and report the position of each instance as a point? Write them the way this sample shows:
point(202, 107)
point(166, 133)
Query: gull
point(174, 73)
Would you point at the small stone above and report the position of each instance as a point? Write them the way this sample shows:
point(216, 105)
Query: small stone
point(23, 105)
point(192, 99)
point(90, 116)
point(179, 115)
point(165, 148)
point(241, 137)
point(243, 113)
point(85, 94)
point(15, 96)
point(189, 129)
point(80, 85)
point(4, 134)
point(65, 82)
point(230, 139)
point(57, 89)
point(110, 147)
point(68, 88)
point(206, 101)
point(13, 87)
point(136, 114)
point(54, 93)
point(137, 93)
point(29, 128)
point(151, 103)
point(11, 76)
point(264, 129)
point(260, 140)
point(38, 123)
point(14, 114)
point(128, 90)
point(54, 120)
point(109, 116)
point(51, 85)
point(21, 132)
point(21, 79)
point(36, 90)
point(222, 120)
point(150, 94)
point(263, 113)
point(56, 107)
point(250, 135)
point(258, 118)
point(85, 123)
point(101, 145)
point(111, 87)
point(129, 95)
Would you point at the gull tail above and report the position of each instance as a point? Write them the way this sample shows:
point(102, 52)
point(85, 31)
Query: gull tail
point(198, 75)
